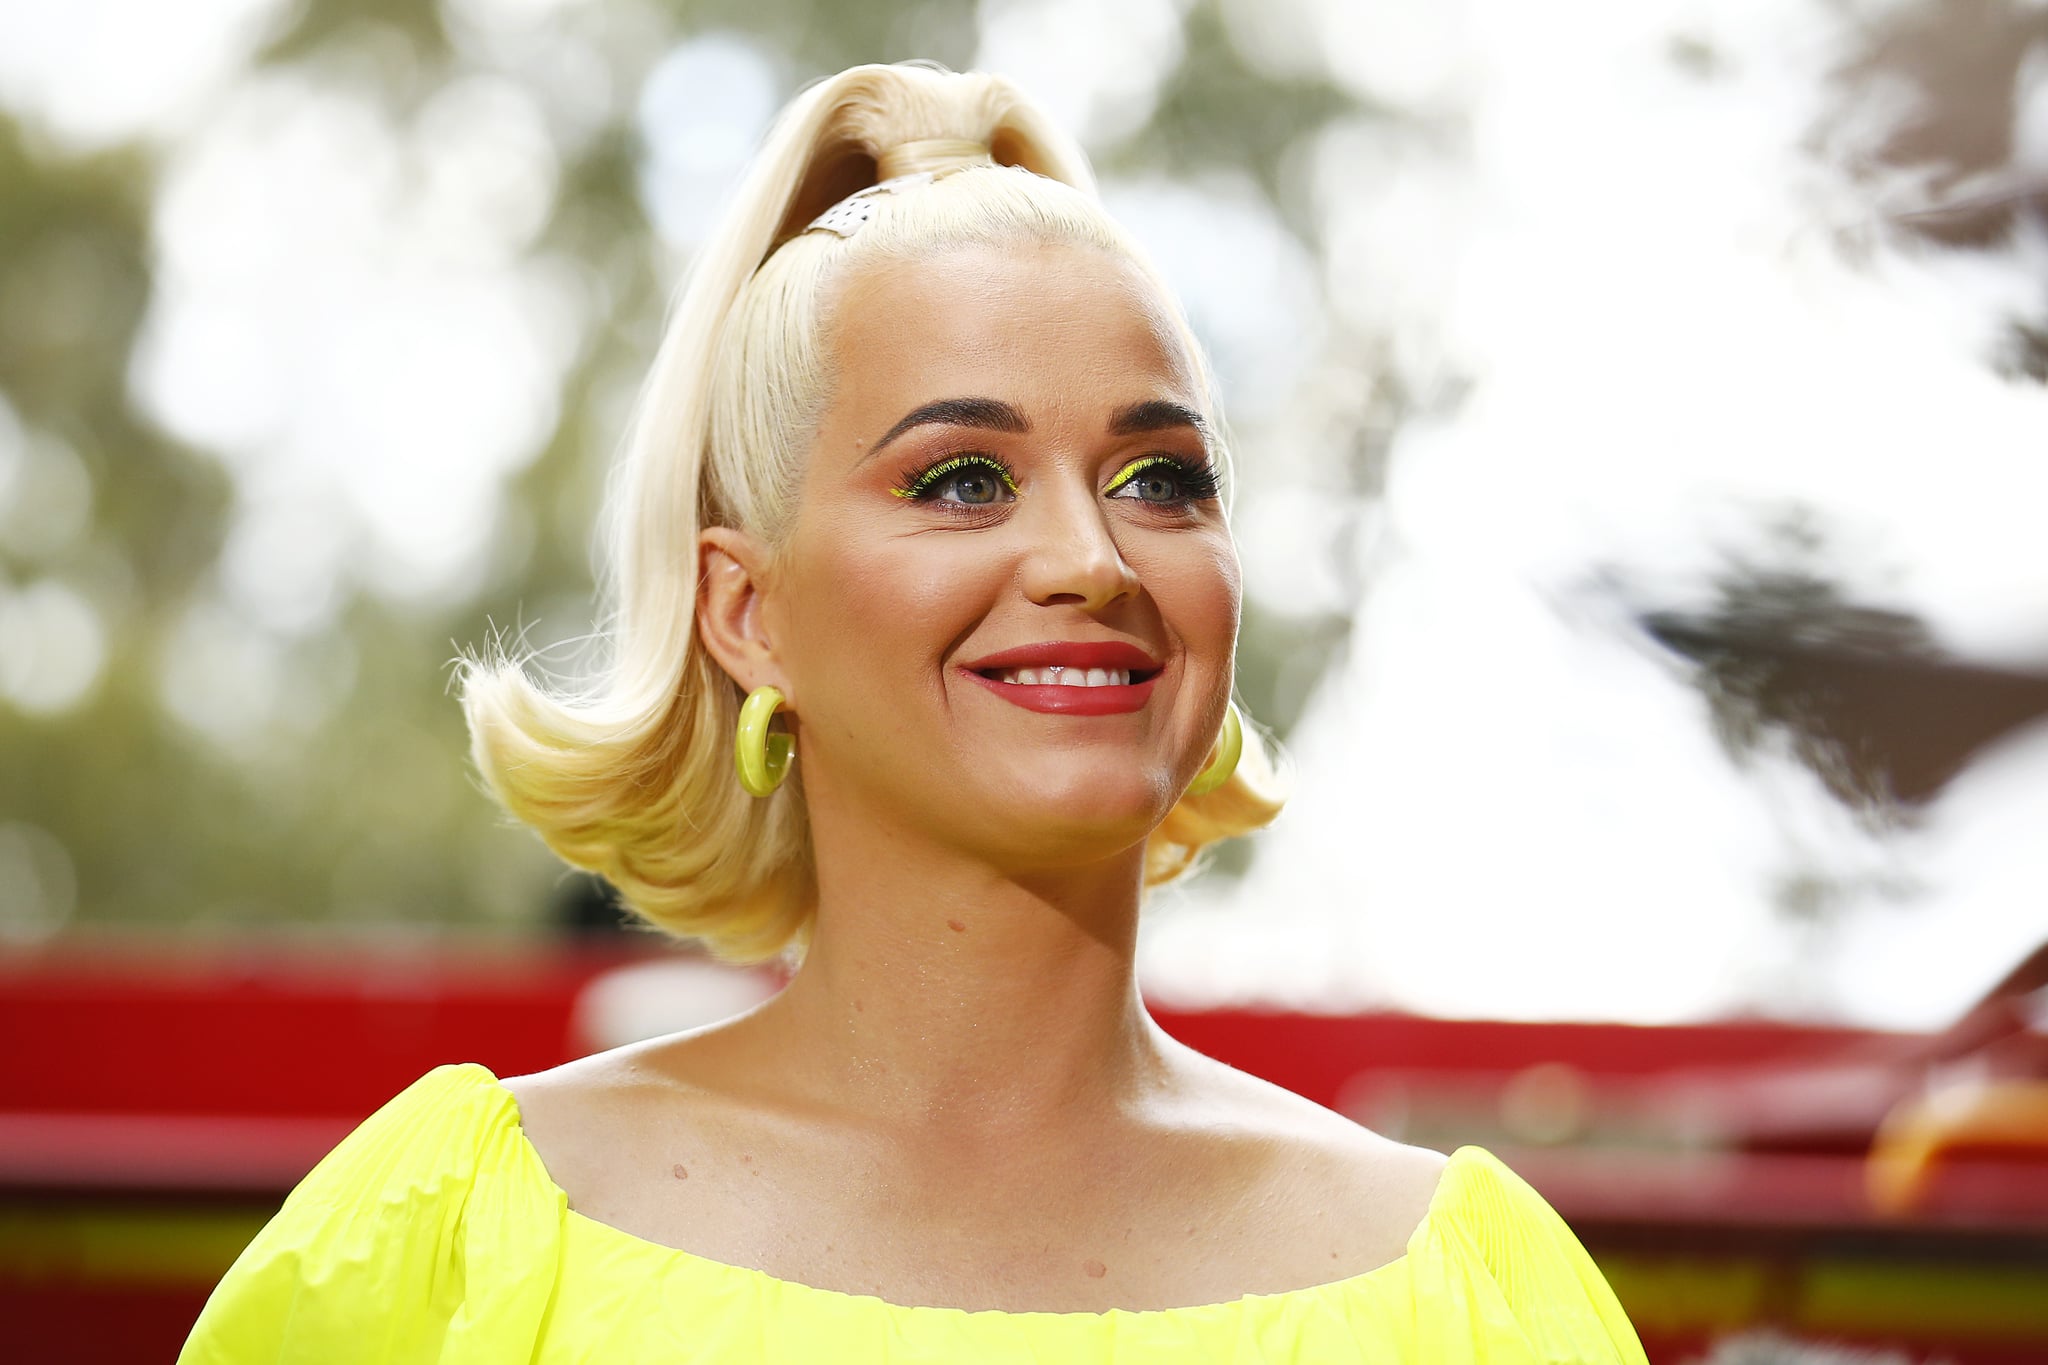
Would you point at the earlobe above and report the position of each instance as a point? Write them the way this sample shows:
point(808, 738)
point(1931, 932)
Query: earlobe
point(730, 583)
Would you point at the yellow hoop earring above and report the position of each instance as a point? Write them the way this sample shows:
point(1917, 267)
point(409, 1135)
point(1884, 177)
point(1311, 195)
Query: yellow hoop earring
point(761, 755)
point(1229, 748)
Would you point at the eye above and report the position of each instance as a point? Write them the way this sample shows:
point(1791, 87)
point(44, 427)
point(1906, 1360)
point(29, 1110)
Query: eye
point(962, 480)
point(1165, 480)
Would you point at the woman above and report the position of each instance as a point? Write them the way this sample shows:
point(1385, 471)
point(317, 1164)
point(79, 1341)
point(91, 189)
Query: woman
point(926, 487)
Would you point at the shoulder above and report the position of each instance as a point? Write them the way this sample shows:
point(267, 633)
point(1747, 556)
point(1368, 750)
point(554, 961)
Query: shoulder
point(583, 1118)
point(436, 1130)
point(1483, 1231)
point(1493, 1229)
point(1357, 1189)
point(1500, 1216)
point(428, 1142)
point(1359, 1169)
point(436, 1181)
point(636, 1071)
point(457, 1097)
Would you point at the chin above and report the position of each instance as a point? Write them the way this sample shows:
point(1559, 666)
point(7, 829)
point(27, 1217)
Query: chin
point(1086, 816)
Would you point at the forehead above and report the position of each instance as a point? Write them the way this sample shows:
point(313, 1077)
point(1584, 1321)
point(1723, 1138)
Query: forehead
point(1043, 326)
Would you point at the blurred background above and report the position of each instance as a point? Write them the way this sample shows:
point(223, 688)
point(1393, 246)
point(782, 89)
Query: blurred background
point(1641, 416)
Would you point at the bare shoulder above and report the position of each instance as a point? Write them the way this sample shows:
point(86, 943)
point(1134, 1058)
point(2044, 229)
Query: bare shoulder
point(585, 1116)
point(1327, 1175)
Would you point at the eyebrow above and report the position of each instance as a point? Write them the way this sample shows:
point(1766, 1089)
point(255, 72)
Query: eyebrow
point(992, 414)
point(1156, 414)
point(988, 414)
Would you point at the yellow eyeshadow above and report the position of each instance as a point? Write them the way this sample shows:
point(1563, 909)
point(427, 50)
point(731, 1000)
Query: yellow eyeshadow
point(954, 465)
point(1137, 467)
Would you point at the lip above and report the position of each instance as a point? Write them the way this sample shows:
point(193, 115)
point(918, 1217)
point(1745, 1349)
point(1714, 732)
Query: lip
point(1070, 701)
point(1069, 654)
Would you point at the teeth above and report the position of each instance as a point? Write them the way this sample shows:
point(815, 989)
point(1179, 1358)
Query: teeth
point(1059, 675)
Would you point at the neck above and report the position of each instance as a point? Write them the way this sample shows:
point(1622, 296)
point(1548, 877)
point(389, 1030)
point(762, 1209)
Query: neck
point(941, 991)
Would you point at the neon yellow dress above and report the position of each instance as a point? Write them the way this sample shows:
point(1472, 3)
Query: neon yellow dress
point(433, 1233)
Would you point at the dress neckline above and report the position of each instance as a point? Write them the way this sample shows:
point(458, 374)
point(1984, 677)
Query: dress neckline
point(1447, 1180)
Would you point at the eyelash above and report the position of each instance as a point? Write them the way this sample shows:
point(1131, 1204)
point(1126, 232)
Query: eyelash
point(919, 484)
point(1198, 478)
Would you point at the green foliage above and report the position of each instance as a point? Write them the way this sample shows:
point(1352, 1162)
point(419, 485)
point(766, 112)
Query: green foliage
point(353, 803)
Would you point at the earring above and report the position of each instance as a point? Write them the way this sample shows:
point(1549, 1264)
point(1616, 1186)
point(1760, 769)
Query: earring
point(1229, 748)
point(762, 756)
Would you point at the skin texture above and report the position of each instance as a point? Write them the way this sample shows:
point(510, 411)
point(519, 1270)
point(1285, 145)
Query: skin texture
point(960, 1100)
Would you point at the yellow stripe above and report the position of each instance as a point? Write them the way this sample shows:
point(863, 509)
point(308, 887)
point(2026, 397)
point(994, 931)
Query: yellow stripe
point(123, 1246)
point(1987, 1301)
point(1680, 1293)
point(1929, 1299)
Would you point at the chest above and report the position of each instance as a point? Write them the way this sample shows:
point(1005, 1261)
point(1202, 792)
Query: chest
point(614, 1302)
point(1120, 1222)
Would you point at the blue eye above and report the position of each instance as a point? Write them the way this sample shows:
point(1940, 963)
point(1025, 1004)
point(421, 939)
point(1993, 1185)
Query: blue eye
point(1165, 481)
point(962, 480)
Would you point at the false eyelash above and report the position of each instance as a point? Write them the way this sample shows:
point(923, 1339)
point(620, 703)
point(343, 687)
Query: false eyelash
point(915, 483)
point(1199, 479)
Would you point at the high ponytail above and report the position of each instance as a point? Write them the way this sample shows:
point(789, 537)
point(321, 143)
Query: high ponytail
point(630, 775)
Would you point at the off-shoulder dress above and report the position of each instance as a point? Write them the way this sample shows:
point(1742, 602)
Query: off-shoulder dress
point(433, 1233)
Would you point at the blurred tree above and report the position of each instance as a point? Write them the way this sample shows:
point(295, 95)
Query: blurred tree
point(1862, 696)
point(350, 803)
point(1930, 109)
point(1770, 610)
point(1925, 110)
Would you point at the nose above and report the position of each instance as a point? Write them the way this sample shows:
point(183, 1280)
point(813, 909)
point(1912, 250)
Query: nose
point(1076, 561)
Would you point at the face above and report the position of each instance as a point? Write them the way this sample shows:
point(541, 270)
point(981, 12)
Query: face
point(1007, 606)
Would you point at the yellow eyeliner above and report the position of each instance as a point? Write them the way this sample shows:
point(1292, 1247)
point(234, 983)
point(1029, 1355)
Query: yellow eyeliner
point(945, 467)
point(1137, 467)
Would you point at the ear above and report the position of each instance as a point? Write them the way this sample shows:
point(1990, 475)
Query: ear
point(731, 579)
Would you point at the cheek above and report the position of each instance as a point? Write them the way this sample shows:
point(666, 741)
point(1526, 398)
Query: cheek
point(867, 608)
point(1199, 595)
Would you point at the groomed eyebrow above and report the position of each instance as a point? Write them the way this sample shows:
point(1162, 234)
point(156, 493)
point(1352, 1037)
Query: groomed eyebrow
point(989, 414)
point(992, 414)
point(1156, 414)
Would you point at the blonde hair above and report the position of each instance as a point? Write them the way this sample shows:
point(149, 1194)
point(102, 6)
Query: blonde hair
point(631, 775)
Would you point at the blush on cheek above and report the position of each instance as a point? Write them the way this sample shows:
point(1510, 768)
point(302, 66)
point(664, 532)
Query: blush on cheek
point(870, 614)
point(1198, 593)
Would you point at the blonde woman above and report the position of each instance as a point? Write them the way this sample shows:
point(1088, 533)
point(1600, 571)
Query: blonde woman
point(925, 611)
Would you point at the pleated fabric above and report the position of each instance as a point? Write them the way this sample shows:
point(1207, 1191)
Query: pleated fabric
point(433, 1233)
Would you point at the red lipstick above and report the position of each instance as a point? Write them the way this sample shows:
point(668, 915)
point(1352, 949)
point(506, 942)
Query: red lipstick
point(1063, 698)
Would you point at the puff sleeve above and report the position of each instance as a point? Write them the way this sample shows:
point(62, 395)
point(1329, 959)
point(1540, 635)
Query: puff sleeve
point(1504, 1278)
point(428, 1234)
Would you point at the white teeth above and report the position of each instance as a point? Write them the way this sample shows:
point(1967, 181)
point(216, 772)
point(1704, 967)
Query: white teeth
point(1059, 675)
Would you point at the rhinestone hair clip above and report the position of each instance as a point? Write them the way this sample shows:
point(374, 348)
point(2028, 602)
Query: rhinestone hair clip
point(850, 214)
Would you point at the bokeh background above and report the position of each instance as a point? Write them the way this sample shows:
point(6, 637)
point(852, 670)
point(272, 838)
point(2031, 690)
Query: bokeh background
point(1586, 364)
point(1641, 427)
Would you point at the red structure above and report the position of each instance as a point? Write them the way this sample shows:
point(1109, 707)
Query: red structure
point(155, 1105)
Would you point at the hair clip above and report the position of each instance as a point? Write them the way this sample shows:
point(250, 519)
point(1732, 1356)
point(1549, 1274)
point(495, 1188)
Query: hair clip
point(850, 214)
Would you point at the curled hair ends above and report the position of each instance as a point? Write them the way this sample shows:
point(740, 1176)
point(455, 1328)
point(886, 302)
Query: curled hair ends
point(629, 773)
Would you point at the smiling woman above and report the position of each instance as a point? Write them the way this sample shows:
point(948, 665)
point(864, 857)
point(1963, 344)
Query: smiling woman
point(926, 489)
point(815, 364)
